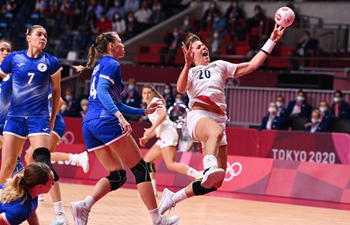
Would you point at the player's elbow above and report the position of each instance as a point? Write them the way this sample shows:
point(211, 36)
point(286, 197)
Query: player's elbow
point(180, 89)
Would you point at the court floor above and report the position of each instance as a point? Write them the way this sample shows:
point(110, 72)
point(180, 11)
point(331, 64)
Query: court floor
point(125, 207)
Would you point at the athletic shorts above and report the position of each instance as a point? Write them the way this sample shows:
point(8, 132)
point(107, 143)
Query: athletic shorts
point(194, 116)
point(19, 167)
point(60, 126)
point(168, 137)
point(24, 127)
point(101, 132)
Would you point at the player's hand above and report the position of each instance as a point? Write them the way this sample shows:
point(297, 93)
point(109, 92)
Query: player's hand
point(148, 132)
point(188, 54)
point(277, 33)
point(127, 129)
point(143, 141)
point(153, 107)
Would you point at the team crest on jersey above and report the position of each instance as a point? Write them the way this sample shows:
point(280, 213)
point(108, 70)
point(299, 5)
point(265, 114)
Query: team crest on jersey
point(42, 67)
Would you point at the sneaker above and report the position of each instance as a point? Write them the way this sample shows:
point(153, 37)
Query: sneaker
point(83, 161)
point(61, 219)
point(211, 176)
point(199, 175)
point(174, 220)
point(166, 202)
point(80, 212)
point(40, 197)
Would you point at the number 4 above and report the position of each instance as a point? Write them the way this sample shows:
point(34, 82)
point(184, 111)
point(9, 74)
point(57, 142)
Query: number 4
point(31, 77)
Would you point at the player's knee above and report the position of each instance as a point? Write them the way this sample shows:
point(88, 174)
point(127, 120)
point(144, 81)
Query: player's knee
point(199, 190)
point(43, 155)
point(151, 167)
point(140, 172)
point(217, 134)
point(171, 166)
point(116, 179)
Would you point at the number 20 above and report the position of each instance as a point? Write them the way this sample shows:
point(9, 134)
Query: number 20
point(206, 74)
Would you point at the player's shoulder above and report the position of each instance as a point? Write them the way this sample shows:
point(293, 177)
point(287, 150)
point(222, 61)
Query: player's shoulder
point(49, 56)
point(109, 60)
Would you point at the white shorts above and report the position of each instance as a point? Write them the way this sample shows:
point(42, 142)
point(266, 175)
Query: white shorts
point(168, 137)
point(194, 116)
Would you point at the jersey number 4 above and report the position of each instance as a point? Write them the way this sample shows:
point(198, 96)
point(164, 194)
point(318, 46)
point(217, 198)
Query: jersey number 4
point(204, 74)
point(93, 91)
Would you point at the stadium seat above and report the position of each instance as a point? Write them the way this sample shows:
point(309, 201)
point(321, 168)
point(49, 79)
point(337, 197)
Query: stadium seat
point(342, 126)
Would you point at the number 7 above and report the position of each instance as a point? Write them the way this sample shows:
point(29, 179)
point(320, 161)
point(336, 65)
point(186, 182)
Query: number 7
point(31, 77)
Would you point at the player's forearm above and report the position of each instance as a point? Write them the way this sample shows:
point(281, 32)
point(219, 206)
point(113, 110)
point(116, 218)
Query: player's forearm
point(182, 81)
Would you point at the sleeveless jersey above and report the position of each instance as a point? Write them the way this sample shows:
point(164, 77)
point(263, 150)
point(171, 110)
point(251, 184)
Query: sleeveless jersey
point(5, 97)
point(210, 81)
point(167, 123)
point(31, 78)
point(107, 68)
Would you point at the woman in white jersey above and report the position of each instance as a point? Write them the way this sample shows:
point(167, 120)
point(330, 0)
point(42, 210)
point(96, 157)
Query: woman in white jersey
point(205, 83)
point(162, 127)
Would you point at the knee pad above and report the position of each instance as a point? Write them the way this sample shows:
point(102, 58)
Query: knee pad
point(43, 155)
point(199, 190)
point(140, 172)
point(116, 179)
point(151, 167)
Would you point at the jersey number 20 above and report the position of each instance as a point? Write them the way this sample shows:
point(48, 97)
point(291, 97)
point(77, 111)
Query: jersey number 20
point(204, 74)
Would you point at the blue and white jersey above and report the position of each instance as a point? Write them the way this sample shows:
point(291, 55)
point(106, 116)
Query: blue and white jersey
point(31, 78)
point(107, 68)
point(16, 212)
point(5, 97)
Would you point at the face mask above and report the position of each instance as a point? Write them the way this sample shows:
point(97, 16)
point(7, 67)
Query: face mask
point(234, 4)
point(103, 19)
point(84, 107)
point(131, 87)
point(116, 4)
point(256, 12)
point(313, 120)
point(63, 108)
point(272, 109)
point(166, 91)
point(323, 109)
point(130, 19)
point(215, 35)
point(178, 101)
point(116, 17)
point(216, 19)
point(186, 22)
point(279, 104)
point(212, 6)
point(175, 33)
point(336, 99)
point(69, 97)
point(300, 98)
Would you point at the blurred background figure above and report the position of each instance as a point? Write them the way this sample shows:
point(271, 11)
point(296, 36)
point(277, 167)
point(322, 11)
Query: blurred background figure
point(314, 123)
point(271, 120)
point(168, 95)
point(340, 108)
point(84, 107)
point(72, 107)
point(131, 97)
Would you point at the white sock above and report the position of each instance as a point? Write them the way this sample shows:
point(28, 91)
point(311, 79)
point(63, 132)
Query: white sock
point(73, 157)
point(89, 202)
point(154, 185)
point(58, 206)
point(179, 196)
point(209, 161)
point(154, 215)
point(193, 173)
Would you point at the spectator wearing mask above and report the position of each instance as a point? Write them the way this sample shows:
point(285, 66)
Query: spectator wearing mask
point(72, 108)
point(299, 107)
point(314, 124)
point(178, 109)
point(219, 24)
point(132, 98)
point(158, 14)
point(234, 12)
point(131, 6)
point(98, 9)
point(173, 42)
point(132, 26)
point(103, 24)
point(271, 120)
point(326, 117)
point(208, 17)
point(305, 46)
point(216, 43)
point(143, 16)
point(340, 108)
point(119, 25)
point(186, 26)
point(168, 95)
point(281, 112)
point(117, 7)
point(84, 107)
point(256, 19)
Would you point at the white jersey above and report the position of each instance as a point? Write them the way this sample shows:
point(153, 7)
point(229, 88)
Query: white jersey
point(210, 81)
point(166, 124)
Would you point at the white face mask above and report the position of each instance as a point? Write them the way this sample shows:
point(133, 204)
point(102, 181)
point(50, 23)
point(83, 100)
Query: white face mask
point(103, 19)
point(300, 98)
point(323, 109)
point(215, 35)
point(175, 33)
point(63, 108)
point(131, 87)
point(116, 17)
point(313, 120)
point(279, 104)
point(336, 99)
point(186, 22)
point(130, 19)
point(272, 109)
point(84, 107)
point(166, 91)
point(69, 97)
point(178, 101)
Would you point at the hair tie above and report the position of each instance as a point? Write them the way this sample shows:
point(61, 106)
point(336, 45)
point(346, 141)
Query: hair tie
point(23, 182)
point(95, 44)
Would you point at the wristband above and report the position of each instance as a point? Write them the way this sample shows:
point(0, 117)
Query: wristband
point(268, 46)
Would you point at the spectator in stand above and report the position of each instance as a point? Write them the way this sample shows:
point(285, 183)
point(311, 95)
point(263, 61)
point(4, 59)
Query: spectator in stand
point(209, 15)
point(95, 7)
point(326, 117)
point(73, 106)
point(103, 24)
point(158, 15)
point(91, 21)
point(186, 26)
point(219, 24)
point(234, 12)
point(173, 42)
point(168, 95)
point(84, 107)
point(255, 48)
point(131, 6)
point(41, 7)
point(340, 108)
point(281, 112)
point(11, 6)
point(306, 45)
point(256, 19)
point(132, 98)
point(119, 25)
point(298, 21)
point(117, 7)
point(271, 120)
point(298, 108)
point(216, 43)
point(314, 123)
point(178, 109)
point(143, 16)
point(132, 26)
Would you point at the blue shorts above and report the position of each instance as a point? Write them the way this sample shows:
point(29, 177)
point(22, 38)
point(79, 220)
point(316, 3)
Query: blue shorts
point(24, 127)
point(60, 126)
point(19, 167)
point(101, 132)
